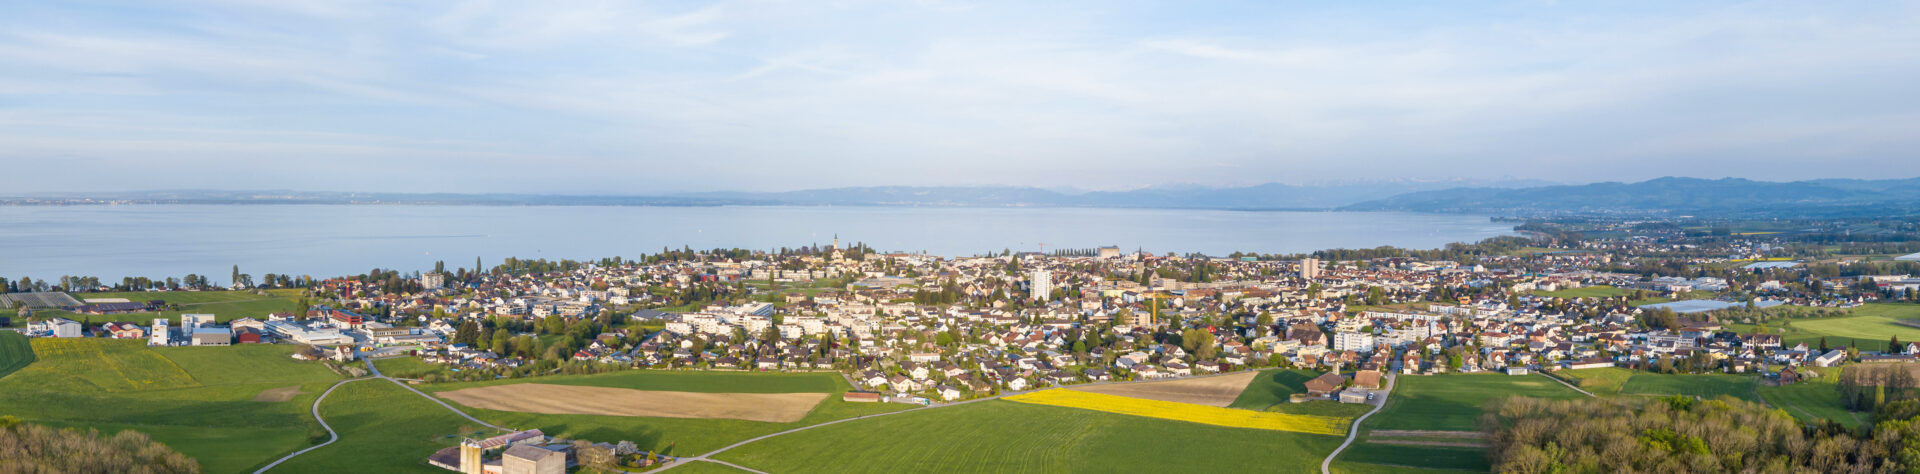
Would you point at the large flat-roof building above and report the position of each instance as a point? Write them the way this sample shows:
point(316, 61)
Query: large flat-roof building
point(530, 459)
point(212, 336)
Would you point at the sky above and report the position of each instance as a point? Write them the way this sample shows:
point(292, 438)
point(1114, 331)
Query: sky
point(633, 97)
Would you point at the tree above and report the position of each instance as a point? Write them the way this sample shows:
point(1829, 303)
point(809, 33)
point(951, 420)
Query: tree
point(1823, 344)
point(499, 345)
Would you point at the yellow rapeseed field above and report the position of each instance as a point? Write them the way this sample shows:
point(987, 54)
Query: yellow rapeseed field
point(1186, 412)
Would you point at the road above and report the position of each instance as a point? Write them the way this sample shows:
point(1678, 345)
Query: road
point(1353, 431)
point(331, 435)
point(456, 411)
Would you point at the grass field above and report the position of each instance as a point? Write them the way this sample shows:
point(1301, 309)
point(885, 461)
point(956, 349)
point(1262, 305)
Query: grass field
point(1344, 467)
point(1440, 403)
point(408, 367)
point(679, 436)
point(703, 467)
point(382, 428)
point(1187, 412)
point(1601, 381)
point(1586, 292)
point(1816, 398)
point(1273, 387)
point(1000, 436)
point(1870, 324)
point(16, 352)
point(1698, 385)
point(197, 400)
point(224, 305)
point(1453, 402)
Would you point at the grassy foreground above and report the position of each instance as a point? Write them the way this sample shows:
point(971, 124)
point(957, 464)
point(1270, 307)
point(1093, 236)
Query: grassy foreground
point(1448, 403)
point(197, 400)
point(383, 428)
point(15, 352)
point(1000, 436)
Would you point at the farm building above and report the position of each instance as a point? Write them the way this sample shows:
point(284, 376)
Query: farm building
point(530, 459)
point(1325, 384)
point(56, 327)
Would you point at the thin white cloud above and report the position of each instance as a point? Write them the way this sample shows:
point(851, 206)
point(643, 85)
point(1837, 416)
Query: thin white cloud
point(1097, 95)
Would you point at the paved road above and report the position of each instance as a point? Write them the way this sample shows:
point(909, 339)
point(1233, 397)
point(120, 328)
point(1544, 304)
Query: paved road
point(1326, 466)
point(456, 411)
point(331, 435)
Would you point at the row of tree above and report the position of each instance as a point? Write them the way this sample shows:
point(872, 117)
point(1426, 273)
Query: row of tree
point(1682, 434)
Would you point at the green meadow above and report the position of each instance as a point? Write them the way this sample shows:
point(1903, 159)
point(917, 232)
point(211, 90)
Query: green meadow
point(16, 352)
point(1446, 403)
point(383, 428)
point(1814, 399)
point(1743, 387)
point(1000, 436)
point(1869, 326)
point(1272, 388)
point(197, 400)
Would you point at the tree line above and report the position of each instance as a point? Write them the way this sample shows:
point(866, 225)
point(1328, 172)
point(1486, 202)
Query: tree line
point(1683, 434)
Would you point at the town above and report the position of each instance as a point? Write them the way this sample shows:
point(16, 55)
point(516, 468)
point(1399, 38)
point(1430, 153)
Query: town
point(925, 330)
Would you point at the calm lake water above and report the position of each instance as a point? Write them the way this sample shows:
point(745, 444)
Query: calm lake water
point(173, 240)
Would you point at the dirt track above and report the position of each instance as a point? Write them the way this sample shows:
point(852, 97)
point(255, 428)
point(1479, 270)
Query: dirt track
point(581, 400)
point(1210, 391)
point(277, 394)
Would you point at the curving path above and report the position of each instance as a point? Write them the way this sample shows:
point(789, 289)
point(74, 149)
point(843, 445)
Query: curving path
point(331, 435)
point(1563, 382)
point(456, 411)
point(1326, 466)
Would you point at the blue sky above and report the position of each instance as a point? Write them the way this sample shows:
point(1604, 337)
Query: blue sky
point(646, 97)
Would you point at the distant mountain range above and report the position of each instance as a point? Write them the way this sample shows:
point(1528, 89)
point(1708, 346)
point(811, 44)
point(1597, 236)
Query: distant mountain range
point(1663, 196)
point(1272, 196)
point(1673, 196)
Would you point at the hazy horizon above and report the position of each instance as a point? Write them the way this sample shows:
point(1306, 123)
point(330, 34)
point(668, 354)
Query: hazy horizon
point(617, 98)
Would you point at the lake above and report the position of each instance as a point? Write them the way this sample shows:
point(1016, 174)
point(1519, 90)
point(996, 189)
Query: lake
point(330, 240)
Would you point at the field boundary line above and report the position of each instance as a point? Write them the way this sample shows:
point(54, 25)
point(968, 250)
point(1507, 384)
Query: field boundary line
point(331, 435)
point(1577, 389)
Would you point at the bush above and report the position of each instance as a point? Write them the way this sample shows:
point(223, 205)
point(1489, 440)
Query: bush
point(33, 448)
